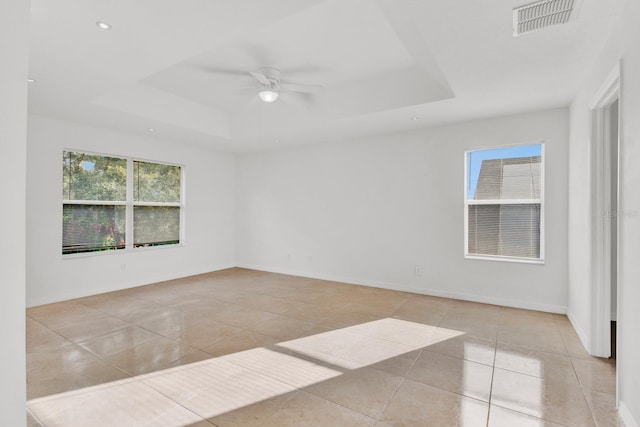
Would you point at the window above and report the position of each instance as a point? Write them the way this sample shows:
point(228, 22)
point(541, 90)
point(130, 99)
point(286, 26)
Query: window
point(504, 213)
point(112, 203)
point(156, 204)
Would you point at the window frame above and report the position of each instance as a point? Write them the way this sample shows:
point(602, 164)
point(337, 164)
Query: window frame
point(131, 207)
point(540, 201)
point(129, 204)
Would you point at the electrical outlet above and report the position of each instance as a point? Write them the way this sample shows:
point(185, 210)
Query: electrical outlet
point(123, 267)
point(418, 270)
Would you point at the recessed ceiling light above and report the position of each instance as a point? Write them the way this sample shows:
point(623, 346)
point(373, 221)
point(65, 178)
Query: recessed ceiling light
point(32, 80)
point(103, 25)
point(414, 118)
point(276, 140)
point(151, 129)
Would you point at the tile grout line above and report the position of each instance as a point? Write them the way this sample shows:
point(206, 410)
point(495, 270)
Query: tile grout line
point(29, 412)
point(517, 372)
point(532, 416)
point(575, 372)
point(404, 377)
point(87, 350)
point(279, 408)
point(493, 368)
point(298, 389)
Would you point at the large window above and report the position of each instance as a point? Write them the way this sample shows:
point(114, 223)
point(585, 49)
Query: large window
point(504, 200)
point(114, 203)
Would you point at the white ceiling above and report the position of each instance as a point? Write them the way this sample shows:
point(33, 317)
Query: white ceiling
point(178, 67)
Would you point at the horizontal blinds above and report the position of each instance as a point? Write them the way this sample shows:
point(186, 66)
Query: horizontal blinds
point(156, 225)
point(101, 192)
point(504, 202)
point(504, 230)
point(156, 212)
point(90, 228)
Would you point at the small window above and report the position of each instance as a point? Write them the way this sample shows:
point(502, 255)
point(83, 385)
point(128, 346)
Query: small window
point(101, 192)
point(504, 213)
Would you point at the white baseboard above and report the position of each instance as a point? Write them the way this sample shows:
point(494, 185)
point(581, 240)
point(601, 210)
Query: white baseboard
point(33, 302)
point(413, 289)
point(584, 338)
point(336, 278)
point(625, 415)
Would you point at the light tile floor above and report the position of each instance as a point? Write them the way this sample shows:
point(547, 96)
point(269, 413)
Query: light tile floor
point(247, 348)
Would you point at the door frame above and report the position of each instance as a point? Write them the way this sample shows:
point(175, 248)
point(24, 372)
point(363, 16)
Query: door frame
point(608, 93)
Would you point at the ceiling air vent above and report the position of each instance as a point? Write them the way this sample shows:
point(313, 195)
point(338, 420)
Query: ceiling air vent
point(541, 14)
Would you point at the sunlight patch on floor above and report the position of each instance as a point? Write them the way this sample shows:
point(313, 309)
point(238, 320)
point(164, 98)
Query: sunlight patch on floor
point(369, 343)
point(185, 395)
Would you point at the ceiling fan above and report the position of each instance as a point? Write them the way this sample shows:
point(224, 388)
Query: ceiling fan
point(270, 85)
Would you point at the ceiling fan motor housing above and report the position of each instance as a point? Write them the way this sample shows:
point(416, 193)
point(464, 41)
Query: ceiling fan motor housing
point(272, 75)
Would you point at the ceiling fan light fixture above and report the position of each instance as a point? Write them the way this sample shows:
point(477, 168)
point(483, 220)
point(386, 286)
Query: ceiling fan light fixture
point(103, 25)
point(268, 95)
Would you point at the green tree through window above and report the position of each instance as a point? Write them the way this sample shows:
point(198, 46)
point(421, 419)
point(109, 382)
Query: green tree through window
point(96, 206)
point(156, 212)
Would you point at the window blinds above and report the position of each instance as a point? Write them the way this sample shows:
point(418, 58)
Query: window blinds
point(505, 207)
point(93, 211)
point(115, 203)
point(156, 211)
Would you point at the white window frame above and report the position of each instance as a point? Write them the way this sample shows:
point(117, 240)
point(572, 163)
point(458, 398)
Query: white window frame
point(132, 204)
point(539, 201)
point(129, 207)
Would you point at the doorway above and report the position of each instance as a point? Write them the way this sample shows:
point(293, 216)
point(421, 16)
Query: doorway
point(606, 216)
point(611, 148)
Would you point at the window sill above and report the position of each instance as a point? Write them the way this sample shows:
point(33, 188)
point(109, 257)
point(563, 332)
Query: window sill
point(126, 251)
point(506, 259)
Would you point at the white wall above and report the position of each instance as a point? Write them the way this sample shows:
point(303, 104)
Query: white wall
point(625, 45)
point(367, 211)
point(629, 273)
point(14, 57)
point(210, 215)
point(581, 184)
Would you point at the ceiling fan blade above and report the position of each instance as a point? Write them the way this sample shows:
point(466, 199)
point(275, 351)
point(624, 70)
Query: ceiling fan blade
point(261, 78)
point(247, 88)
point(306, 70)
point(223, 71)
point(301, 88)
point(296, 100)
point(253, 102)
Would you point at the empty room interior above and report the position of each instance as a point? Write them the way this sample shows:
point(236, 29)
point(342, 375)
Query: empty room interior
point(381, 213)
